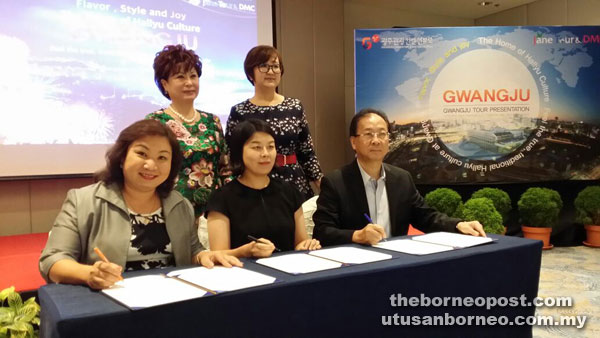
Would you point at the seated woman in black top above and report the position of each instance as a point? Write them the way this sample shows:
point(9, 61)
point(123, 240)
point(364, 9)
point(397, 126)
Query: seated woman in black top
point(256, 205)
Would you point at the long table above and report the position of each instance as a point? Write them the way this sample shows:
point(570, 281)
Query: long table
point(352, 301)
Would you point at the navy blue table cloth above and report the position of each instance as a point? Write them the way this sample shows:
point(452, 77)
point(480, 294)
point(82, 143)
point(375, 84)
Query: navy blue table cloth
point(345, 302)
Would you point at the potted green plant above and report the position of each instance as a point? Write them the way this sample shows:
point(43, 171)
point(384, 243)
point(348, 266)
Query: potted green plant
point(445, 200)
point(499, 197)
point(587, 212)
point(482, 209)
point(539, 209)
point(17, 318)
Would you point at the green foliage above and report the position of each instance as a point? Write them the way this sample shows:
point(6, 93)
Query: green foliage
point(482, 209)
point(587, 206)
point(18, 317)
point(445, 200)
point(539, 207)
point(500, 199)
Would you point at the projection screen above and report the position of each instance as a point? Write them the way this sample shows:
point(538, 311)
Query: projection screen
point(76, 72)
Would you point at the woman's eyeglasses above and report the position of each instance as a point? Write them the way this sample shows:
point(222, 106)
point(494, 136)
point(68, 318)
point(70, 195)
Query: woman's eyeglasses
point(264, 68)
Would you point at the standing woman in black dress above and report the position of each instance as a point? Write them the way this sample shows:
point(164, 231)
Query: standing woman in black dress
point(296, 160)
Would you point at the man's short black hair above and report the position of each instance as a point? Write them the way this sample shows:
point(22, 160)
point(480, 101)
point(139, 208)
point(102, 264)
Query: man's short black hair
point(362, 113)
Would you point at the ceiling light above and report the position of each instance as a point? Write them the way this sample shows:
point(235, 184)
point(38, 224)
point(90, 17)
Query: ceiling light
point(485, 3)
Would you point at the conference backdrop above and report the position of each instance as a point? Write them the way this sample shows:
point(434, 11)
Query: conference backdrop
point(485, 104)
point(76, 72)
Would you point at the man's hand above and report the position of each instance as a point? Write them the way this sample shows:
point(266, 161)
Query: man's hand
point(370, 234)
point(473, 228)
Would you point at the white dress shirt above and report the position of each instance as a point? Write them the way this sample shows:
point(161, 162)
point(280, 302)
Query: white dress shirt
point(379, 209)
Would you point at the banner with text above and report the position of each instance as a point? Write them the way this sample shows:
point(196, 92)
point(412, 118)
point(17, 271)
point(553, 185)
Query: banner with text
point(485, 104)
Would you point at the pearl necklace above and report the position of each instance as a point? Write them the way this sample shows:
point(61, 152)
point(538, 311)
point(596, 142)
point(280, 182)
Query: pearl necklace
point(181, 117)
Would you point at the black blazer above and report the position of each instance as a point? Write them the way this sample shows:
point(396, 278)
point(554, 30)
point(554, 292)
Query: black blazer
point(343, 202)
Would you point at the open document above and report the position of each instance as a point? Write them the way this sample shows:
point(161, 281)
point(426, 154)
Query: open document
point(152, 290)
point(318, 260)
point(298, 263)
point(433, 243)
point(350, 255)
point(221, 279)
point(412, 247)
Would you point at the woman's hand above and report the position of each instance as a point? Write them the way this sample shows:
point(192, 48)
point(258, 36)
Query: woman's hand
point(103, 275)
point(208, 259)
point(261, 248)
point(309, 244)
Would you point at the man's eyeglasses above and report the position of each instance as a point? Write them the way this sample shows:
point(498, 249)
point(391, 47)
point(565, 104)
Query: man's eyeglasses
point(382, 135)
point(264, 68)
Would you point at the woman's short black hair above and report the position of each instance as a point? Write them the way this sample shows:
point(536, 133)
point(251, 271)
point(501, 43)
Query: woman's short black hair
point(240, 135)
point(172, 59)
point(115, 156)
point(362, 113)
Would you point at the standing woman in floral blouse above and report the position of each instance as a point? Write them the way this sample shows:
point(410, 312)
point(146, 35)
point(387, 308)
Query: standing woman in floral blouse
point(177, 71)
point(296, 160)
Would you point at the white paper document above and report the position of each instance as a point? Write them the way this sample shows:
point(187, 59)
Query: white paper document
point(152, 290)
point(220, 278)
point(412, 247)
point(457, 241)
point(350, 255)
point(298, 263)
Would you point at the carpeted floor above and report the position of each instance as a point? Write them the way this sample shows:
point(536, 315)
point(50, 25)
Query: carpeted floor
point(571, 272)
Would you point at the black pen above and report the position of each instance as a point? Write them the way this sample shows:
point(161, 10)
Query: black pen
point(252, 238)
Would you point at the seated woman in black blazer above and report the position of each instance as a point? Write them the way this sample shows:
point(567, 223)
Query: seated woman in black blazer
point(255, 214)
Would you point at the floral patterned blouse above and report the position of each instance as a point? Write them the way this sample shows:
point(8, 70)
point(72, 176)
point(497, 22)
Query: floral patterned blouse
point(288, 122)
point(202, 144)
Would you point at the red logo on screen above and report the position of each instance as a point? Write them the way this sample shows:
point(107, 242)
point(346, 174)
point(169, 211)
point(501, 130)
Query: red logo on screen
point(366, 42)
point(591, 38)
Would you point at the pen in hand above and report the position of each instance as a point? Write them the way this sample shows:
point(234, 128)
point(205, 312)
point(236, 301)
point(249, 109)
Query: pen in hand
point(103, 258)
point(252, 238)
point(371, 221)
